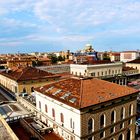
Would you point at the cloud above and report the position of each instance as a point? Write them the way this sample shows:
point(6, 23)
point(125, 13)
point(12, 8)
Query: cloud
point(10, 44)
point(81, 12)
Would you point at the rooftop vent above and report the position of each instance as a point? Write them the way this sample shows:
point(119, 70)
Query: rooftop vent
point(65, 95)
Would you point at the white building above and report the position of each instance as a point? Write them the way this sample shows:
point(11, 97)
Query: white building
point(129, 56)
point(88, 109)
point(97, 70)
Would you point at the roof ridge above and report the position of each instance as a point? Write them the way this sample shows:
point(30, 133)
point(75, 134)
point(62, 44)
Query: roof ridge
point(26, 68)
point(81, 93)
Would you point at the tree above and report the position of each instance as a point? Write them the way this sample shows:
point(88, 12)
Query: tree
point(105, 56)
point(53, 59)
point(60, 58)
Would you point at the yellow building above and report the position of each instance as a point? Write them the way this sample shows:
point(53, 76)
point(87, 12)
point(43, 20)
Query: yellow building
point(15, 63)
point(25, 79)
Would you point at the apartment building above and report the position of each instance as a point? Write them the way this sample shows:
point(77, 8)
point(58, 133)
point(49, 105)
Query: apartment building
point(97, 69)
point(88, 109)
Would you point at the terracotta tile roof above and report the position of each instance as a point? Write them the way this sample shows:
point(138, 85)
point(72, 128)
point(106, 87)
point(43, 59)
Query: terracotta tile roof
point(129, 51)
point(137, 61)
point(128, 68)
point(81, 93)
point(27, 73)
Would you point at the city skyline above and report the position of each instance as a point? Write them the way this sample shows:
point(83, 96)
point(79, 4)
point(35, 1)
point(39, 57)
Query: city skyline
point(51, 25)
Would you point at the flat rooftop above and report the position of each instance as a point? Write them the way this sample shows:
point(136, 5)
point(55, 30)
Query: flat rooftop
point(22, 134)
point(5, 131)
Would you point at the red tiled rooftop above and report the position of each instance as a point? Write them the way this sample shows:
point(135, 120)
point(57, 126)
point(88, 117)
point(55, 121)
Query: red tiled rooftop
point(128, 68)
point(137, 61)
point(86, 92)
point(27, 73)
point(129, 51)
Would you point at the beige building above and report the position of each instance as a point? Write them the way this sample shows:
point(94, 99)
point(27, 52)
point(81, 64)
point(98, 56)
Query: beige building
point(96, 70)
point(16, 63)
point(134, 64)
point(129, 56)
point(114, 56)
point(25, 79)
point(88, 109)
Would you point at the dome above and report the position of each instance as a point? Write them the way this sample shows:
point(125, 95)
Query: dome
point(88, 46)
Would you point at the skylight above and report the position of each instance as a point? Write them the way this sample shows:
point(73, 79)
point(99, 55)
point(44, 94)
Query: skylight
point(65, 95)
point(49, 89)
point(72, 100)
point(58, 91)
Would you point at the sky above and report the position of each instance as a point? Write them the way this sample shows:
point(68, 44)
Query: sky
point(55, 25)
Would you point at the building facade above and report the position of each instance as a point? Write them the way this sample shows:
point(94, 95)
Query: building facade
point(134, 64)
point(96, 70)
point(129, 56)
point(88, 109)
point(25, 79)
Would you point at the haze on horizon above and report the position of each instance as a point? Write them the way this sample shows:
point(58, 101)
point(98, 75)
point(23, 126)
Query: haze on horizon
point(51, 25)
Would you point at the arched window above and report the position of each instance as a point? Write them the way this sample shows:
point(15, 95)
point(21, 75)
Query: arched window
point(128, 135)
point(32, 89)
point(39, 104)
point(90, 138)
point(120, 137)
point(122, 115)
point(62, 117)
point(90, 125)
point(131, 109)
point(24, 90)
point(113, 116)
point(109, 71)
point(46, 108)
point(102, 121)
point(53, 113)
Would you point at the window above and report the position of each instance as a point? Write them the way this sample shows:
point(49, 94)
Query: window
point(102, 73)
point(112, 71)
point(131, 109)
point(98, 74)
point(90, 138)
point(102, 134)
point(121, 125)
point(62, 117)
point(46, 121)
point(32, 89)
point(90, 125)
point(93, 74)
point(122, 115)
point(128, 135)
point(39, 104)
point(53, 113)
point(120, 137)
point(112, 130)
point(130, 121)
point(113, 116)
point(46, 108)
point(71, 123)
point(102, 121)
point(24, 90)
point(109, 71)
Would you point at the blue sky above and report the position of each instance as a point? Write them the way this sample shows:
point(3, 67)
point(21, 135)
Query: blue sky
point(54, 25)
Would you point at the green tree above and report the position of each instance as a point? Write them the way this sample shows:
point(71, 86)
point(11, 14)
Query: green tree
point(53, 59)
point(60, 58)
